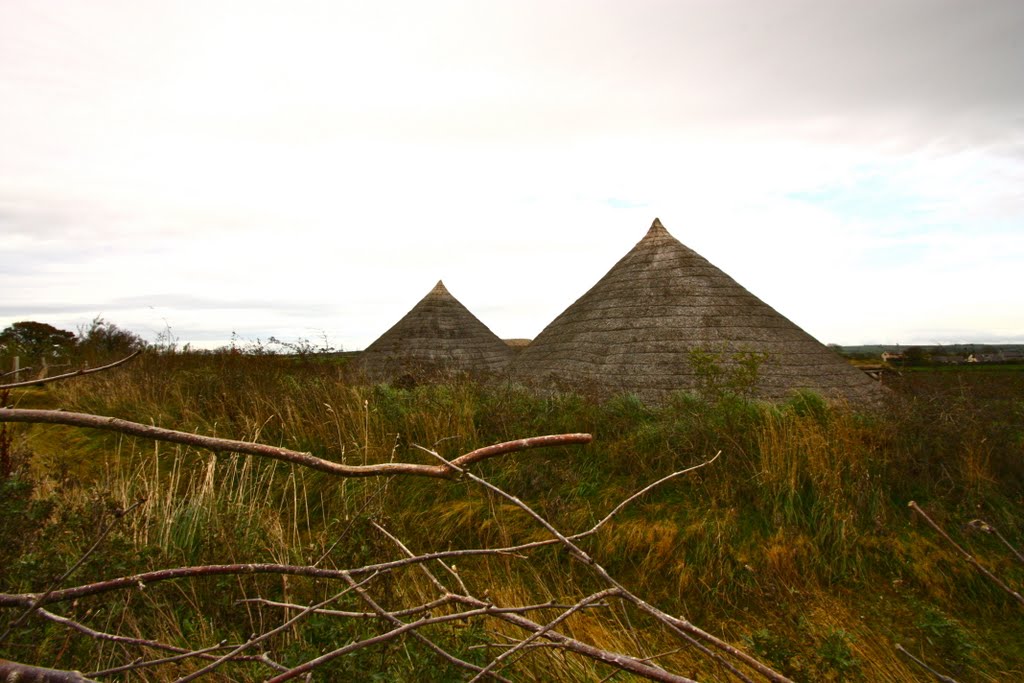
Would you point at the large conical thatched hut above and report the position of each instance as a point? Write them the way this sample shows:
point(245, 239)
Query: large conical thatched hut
point(438, 336)
point(664, 319)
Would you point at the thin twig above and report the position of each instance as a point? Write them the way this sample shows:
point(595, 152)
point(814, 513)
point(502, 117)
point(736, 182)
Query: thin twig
point(590, 599)
point(68, 375)
point(440, 651)
point(114, 638)
point(380, 638)
point(262, 637)
point(344, 614)
point(433, 579)
point(412, 611)
point(641, 492)
point(614, 659)
point(141, 663)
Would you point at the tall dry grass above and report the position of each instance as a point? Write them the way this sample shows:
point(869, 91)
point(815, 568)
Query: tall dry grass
point(806, 506)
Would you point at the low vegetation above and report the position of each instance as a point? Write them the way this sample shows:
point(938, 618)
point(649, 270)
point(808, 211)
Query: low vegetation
point(796, 545)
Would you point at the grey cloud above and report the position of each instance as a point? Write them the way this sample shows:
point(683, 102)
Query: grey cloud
point(946, 70)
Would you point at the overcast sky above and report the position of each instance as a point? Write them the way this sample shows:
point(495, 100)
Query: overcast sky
point(301, 169)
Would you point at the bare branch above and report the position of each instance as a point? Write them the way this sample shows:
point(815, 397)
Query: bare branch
point(68, 375)
point(983, 526)
point(380, 638)
point(639, 493)
point(102, 635)
point(15, 372)
point(408, 612)
point(284, 454)
point(440, 651)
point(412, 611)
point(941, 677)
point(966, 555)
point(259, 639)
point(615, 659)
point(433, 579)
point(13, 672)
point(141, 663)
point(547, 628)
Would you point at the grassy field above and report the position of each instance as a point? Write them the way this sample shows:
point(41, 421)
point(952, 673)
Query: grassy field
point(796, 544)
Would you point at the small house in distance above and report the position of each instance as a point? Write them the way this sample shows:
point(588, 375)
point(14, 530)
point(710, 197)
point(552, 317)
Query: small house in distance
point(437, 336)
point(664, 319)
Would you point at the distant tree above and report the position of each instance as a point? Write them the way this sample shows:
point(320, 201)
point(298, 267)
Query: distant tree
point(103, 340)
point(35, 342)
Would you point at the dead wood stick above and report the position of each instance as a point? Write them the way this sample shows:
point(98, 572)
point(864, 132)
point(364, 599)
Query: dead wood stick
point(14, 672)
point(284, 454)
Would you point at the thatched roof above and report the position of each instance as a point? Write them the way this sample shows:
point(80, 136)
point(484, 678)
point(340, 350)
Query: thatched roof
point(438, 334)
point(663, 318)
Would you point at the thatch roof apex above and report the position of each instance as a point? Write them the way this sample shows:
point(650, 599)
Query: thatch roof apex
point(656, 232)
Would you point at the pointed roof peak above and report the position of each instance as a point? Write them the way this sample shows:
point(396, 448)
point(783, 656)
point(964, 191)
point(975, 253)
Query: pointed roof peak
point(657, 229)
point(439, 288)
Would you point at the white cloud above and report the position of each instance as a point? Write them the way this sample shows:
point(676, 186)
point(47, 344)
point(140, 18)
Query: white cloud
point(335, 159)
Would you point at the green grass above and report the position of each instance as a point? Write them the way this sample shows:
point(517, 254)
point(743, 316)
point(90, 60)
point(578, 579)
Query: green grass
point(796, 544)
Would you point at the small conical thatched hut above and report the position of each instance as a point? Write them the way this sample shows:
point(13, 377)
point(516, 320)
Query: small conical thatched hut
point(664, 319)
point(439, 335)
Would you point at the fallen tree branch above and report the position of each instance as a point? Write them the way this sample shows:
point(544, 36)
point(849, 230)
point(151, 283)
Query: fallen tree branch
point(68, 375)
point(309, 460)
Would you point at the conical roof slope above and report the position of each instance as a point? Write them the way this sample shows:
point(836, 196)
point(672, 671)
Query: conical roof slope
point(664, 319)
point(438, 334)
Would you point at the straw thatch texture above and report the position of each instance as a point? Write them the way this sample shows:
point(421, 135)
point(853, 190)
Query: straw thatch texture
point(645, 327)
point(437, 336)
